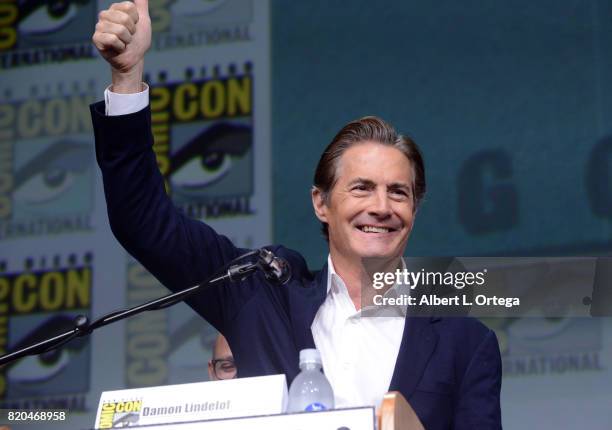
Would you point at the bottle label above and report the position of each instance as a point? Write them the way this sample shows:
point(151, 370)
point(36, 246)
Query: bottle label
point(316, 406)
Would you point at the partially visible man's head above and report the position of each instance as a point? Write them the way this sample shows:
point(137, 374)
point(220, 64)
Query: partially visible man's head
point(367, 186)
point(222, 365)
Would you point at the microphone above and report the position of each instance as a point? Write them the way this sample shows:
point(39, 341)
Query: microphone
point(274, 268)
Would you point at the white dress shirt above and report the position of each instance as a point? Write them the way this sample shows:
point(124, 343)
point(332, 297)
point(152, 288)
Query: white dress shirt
point(358, 352)
point(123, 104)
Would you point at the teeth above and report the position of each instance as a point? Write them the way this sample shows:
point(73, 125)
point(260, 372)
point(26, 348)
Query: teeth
point(370, 229)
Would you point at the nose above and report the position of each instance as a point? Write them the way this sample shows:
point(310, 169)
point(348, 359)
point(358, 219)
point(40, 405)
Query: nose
point(380, 206)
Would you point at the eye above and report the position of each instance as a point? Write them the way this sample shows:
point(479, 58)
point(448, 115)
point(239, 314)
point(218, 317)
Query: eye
point(44, 186)
point(125, 420)
point(228, 367)
point(39, 368)
point(48, 16)
point(51, 173)
point(360, 189)
point(399, 194)
point(211, 157)
point(203, 171)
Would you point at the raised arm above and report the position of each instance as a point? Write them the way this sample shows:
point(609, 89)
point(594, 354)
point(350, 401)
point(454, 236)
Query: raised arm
point(178, 250)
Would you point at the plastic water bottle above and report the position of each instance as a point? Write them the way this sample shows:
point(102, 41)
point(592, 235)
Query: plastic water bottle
point(310, 390)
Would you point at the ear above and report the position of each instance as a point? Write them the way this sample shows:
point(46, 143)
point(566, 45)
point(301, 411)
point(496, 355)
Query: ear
point(318, 203)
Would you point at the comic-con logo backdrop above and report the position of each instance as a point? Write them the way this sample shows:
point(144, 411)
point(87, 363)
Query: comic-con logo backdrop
point(203, 139)
point(170, 346)
point(36, 302)
point(534, 347)
point(191, 23)
point(35, 32)
point(47, 175)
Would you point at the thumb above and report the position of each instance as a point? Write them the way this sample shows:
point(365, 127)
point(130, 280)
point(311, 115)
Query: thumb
point(142, 6)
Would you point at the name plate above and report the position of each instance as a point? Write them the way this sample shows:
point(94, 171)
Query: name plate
point(345, 419)
point(262, 395)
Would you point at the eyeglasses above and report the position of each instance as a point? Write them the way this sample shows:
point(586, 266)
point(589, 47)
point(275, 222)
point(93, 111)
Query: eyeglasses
point(224, 368)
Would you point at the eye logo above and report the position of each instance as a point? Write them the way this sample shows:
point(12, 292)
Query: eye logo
point(213, 160)
point(203, 140)
point(44, 18)
point(189, 12)
point(38, 304)
point(46, 163)
point(186, 23)
point(26, 376)
point(539, 346)
point(51, 191)
point(47, 31)
point(50, 174)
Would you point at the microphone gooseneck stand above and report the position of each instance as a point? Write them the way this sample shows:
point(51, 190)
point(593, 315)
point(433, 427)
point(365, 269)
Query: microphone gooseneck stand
point(274, 269)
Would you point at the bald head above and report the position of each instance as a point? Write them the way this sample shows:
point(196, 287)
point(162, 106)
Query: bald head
point(221, 366)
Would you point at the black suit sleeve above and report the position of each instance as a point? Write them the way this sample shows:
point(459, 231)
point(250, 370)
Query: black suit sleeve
point(177, 250)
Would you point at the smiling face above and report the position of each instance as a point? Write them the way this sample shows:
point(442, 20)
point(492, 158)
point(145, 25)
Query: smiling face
point(370, 209)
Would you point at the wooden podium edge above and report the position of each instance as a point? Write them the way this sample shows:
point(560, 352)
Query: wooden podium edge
point(396, 414)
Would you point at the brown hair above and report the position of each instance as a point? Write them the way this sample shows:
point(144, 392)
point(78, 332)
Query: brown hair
point(369, 128)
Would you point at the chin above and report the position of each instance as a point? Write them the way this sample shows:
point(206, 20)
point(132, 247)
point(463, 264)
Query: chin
point(378, 252)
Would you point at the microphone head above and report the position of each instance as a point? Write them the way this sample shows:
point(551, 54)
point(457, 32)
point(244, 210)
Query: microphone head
point(281, 271)
point(275, 269)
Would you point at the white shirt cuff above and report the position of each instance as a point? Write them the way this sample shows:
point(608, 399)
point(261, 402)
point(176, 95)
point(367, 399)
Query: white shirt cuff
point(123, 104)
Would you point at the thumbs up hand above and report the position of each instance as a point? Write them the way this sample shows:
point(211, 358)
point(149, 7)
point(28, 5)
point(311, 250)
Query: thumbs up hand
point(123, 36)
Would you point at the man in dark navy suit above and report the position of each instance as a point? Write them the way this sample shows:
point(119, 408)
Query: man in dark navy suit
point(367, 187)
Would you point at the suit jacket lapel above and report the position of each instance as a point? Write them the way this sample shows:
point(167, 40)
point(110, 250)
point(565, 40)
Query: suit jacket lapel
point(305, 298)
point(418, 343)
